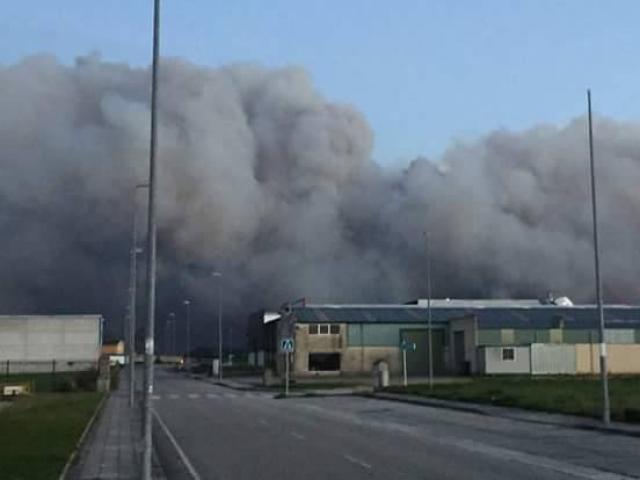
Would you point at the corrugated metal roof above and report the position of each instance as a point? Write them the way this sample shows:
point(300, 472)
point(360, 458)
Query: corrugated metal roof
point(541, 316)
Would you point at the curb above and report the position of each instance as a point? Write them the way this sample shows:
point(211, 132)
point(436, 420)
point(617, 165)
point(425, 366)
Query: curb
point(502, 412)
point(83, 437)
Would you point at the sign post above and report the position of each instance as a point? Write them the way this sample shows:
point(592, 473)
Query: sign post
point(287, 346)
point(404, 346)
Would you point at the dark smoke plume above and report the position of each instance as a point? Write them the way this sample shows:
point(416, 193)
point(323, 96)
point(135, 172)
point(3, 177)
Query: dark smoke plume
point(263, 178)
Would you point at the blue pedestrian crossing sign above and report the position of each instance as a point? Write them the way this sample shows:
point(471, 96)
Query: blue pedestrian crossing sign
point(408, 346)
point(286, 345)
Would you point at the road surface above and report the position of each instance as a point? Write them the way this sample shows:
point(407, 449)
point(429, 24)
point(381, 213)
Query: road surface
point(210, 432)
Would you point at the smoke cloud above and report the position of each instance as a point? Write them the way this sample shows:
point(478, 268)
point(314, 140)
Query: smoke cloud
point(264, 179)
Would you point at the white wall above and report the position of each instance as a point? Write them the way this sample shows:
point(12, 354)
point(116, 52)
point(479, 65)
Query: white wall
point(549, 359)
point(50, 337)
point(493, 363)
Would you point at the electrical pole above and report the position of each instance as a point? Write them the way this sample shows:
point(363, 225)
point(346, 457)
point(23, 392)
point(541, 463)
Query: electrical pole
point(606, 412)
point(430, 330)
point(218, 275)
point(187, 305)
point(151, 252)
point(133, 283)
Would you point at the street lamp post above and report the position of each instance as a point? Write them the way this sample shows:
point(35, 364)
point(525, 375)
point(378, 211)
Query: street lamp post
point(218, 275)
point(149, 350)
point(187, 305)
point(133, 282)
point(170, 333)
point(606, 413)
point(430, 330)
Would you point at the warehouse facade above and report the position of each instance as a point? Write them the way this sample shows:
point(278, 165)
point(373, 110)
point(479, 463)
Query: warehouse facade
point(34, 343)
point(468, 337)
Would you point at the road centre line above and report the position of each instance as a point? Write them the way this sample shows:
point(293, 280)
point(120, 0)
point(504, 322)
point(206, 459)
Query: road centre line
point(297, 435)
point(183, 456)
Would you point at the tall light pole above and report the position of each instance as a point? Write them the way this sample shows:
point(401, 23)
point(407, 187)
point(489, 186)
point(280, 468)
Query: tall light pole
point(170, 333)
point(187, 305)
point(133, 283)
point(429, 327)
point(218, 275)
point(151, 252)
point(606, 412)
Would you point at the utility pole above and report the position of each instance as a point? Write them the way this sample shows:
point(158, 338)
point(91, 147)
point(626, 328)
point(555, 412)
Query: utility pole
point(606, 412)
point(187, 305)
point(218, 275)
point(430, 330)
point(151, 252)
point(133, 283)
point(171, 334)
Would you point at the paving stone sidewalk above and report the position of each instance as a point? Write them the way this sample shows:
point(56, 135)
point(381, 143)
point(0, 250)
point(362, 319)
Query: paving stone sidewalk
point(111, 450)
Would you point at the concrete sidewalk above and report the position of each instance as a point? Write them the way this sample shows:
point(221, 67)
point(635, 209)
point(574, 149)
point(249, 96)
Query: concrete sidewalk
point(531, 416)
point(112, 448)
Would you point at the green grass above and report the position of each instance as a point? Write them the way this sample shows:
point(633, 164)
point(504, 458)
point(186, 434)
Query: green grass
point(39, 433)
point(569, 395)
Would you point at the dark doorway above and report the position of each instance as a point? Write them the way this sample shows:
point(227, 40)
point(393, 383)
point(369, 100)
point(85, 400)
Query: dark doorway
point(418, 360)
point(324, 362)
point(462, 366)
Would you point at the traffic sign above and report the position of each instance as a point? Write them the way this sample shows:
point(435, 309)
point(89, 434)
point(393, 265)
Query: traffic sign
point(408, 346)
point(286, 345)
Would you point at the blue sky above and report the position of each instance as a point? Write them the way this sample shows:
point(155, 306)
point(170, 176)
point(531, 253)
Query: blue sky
point(424, 73)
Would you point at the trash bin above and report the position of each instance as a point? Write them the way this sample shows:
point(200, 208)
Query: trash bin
point(267, 378)
point(381, 374)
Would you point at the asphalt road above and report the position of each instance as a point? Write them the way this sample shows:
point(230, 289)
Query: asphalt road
point(210, 432)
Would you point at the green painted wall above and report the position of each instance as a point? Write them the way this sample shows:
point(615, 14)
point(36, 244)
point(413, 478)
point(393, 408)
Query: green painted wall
point(418, 359)
point(378, 334)
point(491, 336)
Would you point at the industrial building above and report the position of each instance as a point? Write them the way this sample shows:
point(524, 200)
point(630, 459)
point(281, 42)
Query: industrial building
point(42, 343)
point(468, 337)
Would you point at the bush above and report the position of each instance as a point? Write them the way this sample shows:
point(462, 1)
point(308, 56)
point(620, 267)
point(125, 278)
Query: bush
point(115, 377)
point(86, 381)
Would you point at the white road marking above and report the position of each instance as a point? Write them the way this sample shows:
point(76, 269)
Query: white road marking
point(537, 461)
point(193, 395)
point(174, 396)
point(357, 461)
point(155, 397)
point(212, 395)
point(297, 435)
point(183, 456)
point(230, 395)
point(571, 469)
point(263, 422)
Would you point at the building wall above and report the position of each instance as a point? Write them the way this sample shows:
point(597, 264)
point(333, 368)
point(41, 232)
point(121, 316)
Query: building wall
point(306, 343)
point(115, 348)
point(46, 338)
point(468, 326)
point(359, 345)
point(493, 363)
point(621, 358)
point(360, 360)
point(553, 359)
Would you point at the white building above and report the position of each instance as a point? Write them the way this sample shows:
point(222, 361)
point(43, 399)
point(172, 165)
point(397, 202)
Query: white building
point(32, 343)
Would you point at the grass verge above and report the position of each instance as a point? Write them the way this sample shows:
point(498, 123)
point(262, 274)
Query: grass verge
point(558, 394)
point(39, 433)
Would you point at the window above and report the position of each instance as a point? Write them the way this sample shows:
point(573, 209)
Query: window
point(324, 329)
point(324, 362)
point(508, 354)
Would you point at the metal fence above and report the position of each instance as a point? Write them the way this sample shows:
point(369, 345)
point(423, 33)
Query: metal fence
point(17, 367)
